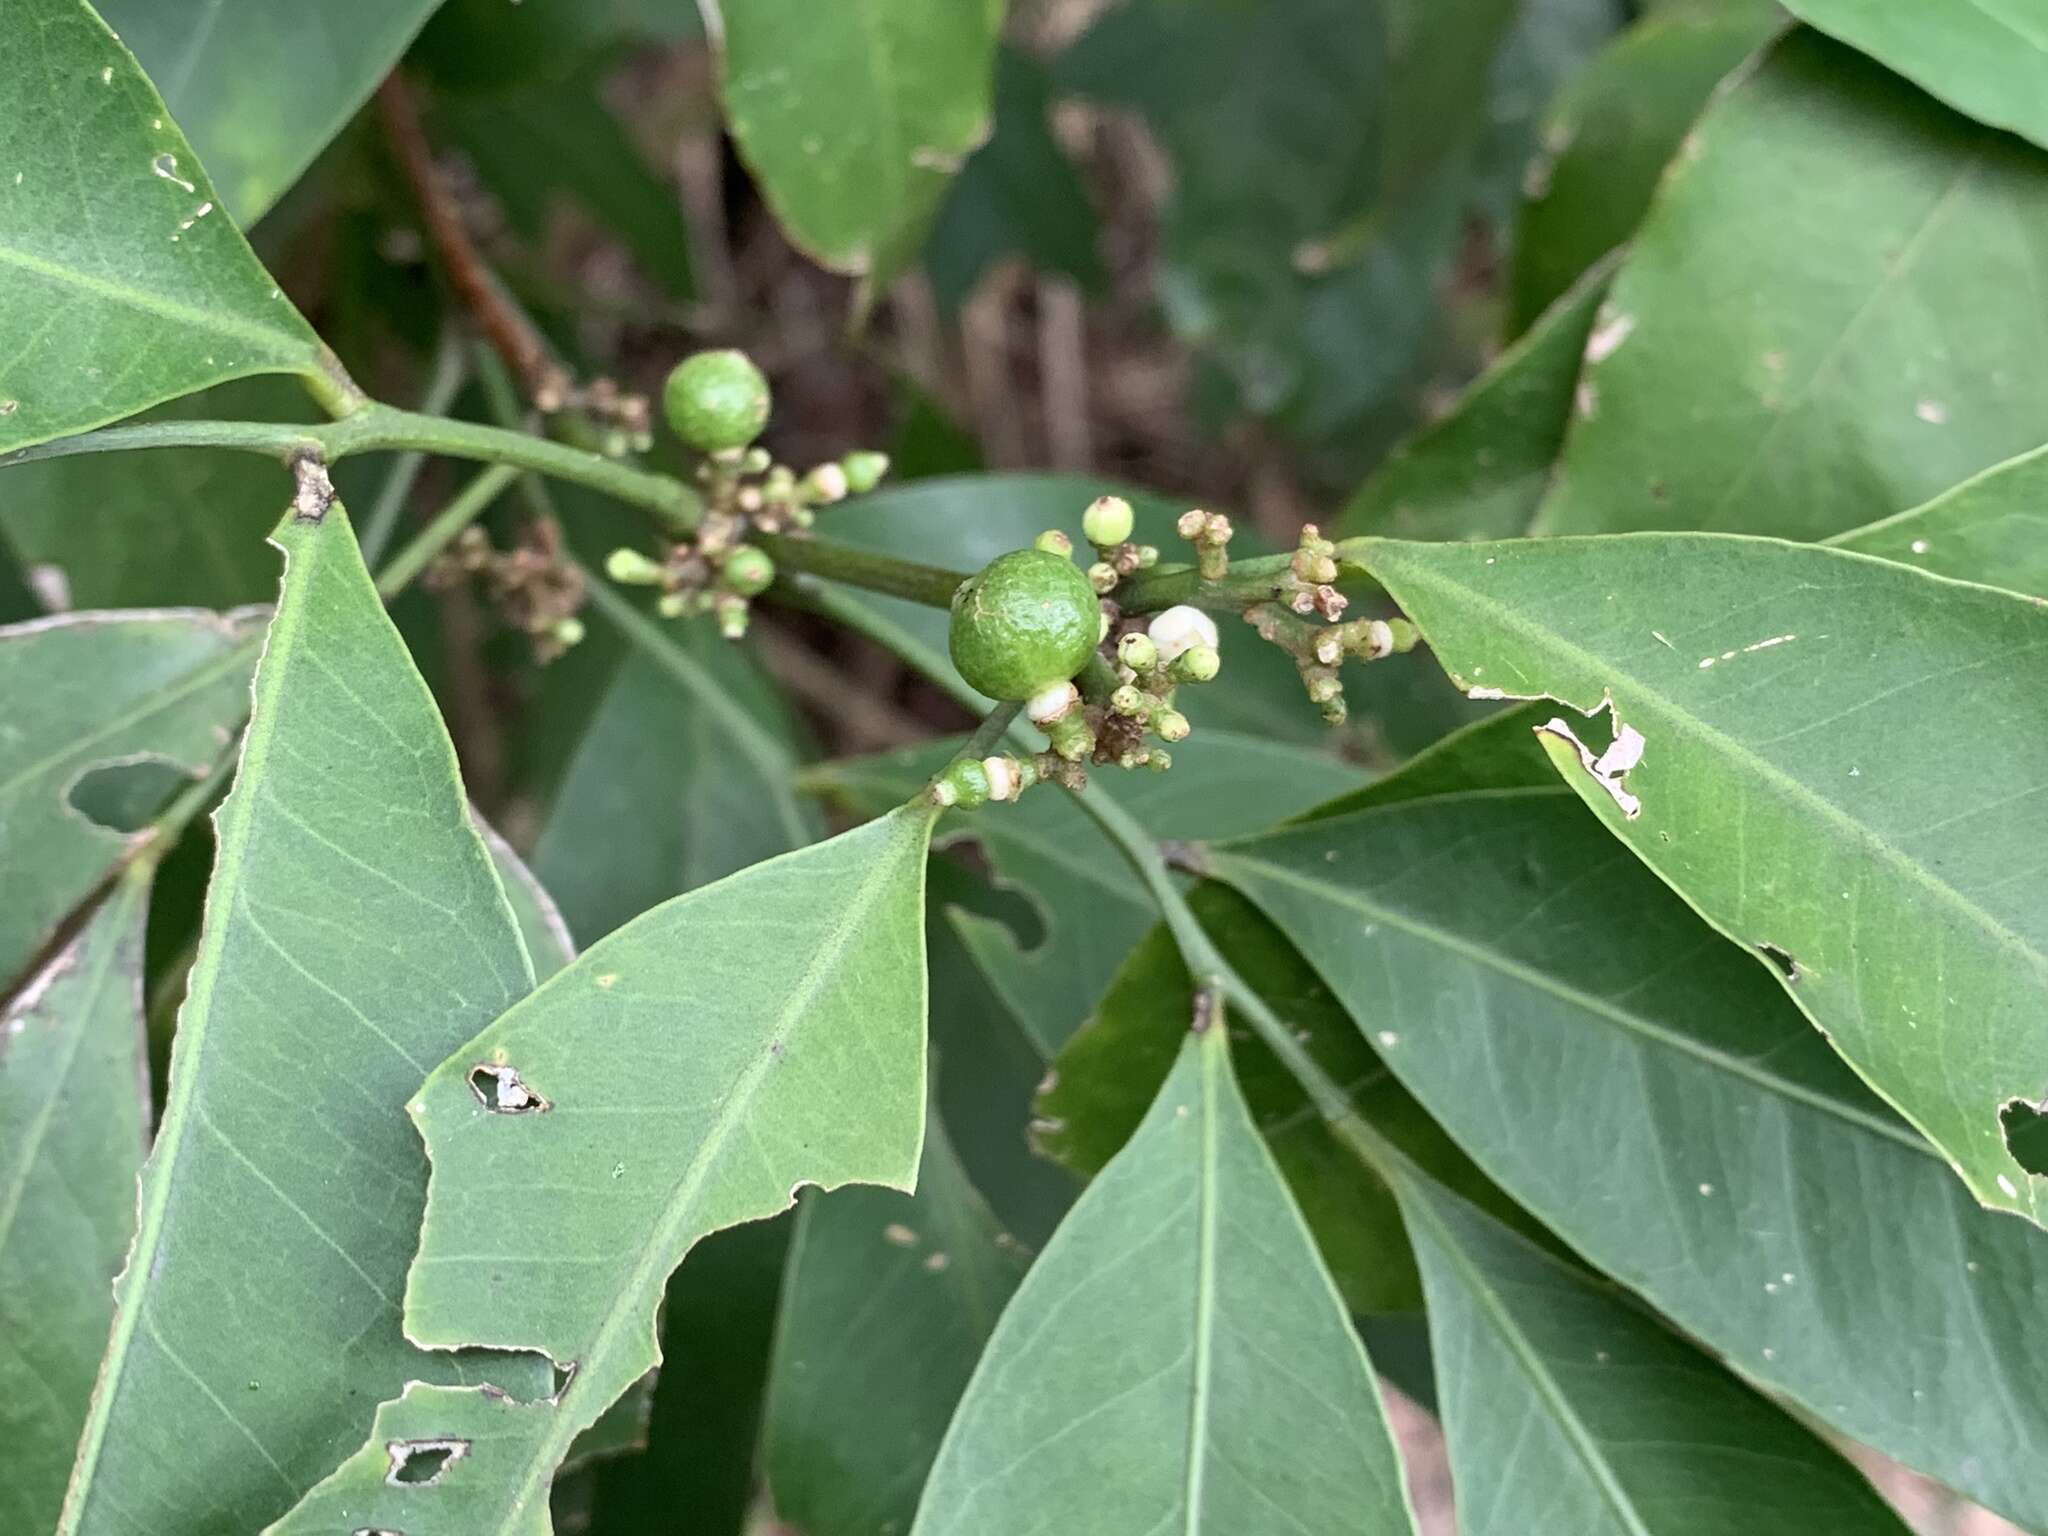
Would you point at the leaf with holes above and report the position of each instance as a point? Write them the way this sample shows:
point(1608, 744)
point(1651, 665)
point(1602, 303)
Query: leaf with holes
point(687, 1073)
point(1566, 1410)
point(1777, 760)
point(355, 933)
point(1651, 1096)
point(886, 1304)
point(1177, 1357)
point(855, 117)
point(125, 283)
point(74, 1123)
point(103, 708)
point(1809, 330)
point(262, 85)
point(1992, 529)
point(1988, 58)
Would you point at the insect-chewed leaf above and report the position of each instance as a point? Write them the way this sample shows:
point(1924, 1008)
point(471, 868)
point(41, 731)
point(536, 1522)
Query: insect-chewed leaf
point(1828, 756)
point(685, 1074)
point(1569, 1413)
point(93, 698)
point(125, 283)
point(1177, 1358)
point(355, 933)
point(74, 1118)
point(1651, 1096)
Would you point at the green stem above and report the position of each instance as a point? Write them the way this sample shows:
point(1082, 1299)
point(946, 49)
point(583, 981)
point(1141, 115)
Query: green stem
point(378, 428)
point(1259, 580)
point(930, 585)
point(989, 734)
point(466, 507)
point(443, 384)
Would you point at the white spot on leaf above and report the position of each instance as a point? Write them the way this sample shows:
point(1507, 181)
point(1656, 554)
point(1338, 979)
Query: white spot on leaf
point(1609, 768)
point(1608, 336)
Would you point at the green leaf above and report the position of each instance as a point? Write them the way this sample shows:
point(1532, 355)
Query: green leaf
point(1177, 1357)
point(74, 1123)
point(964, 522)
point(125, 284)
point(1019, 193)
point(1797, 345)
point(262, 85)
point(1500, 752)
point(1606, 140)
point(1568, 1412)
point(1988, 58)
point(1991, 529)
point(1481, 471)
point(1093, 909)
point(355, 933)
point(687, 1073)
point(886, 1304)
point(853, 118)
point(1777, 697)
point(1650, 1095)
point(161, 526)
point(90, 697)
point(547, 939)
point(684, 775)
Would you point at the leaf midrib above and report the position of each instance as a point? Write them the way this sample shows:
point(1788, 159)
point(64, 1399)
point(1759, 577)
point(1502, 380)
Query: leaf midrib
point(1654, 1033)
point(1206, 1222)
point(1576, 1434)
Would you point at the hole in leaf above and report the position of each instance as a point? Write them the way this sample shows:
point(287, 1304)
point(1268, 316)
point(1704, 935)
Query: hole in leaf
point(564, 1374)
point(499, 1090)
point(126, 797)
point(375, 1530)
point(2026, 1134)
point(422, 1463)
point(1782, 959)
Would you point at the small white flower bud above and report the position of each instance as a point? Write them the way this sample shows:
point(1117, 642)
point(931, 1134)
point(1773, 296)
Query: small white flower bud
point(1002, 777)
point(1049, 704)
point(1178, 628)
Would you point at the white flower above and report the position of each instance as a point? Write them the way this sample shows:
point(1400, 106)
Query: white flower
point(1178, 628)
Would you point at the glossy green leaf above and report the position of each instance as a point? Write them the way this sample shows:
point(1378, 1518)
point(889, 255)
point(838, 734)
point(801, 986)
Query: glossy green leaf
point(1774, 763)
point(124, 282)
point(1177, 1358)
point(1810, 332)
point(164, 526)
point(687, 1073)
point(90, 696)
point(1649, 1094)
point(853, 118)
point(886, 1304)
point(1988, 58)
point(1991, 529)
point(1500, 752)
point(355, 933)
point(547, 938)
point(685, 774)
point(1018, 194)
point(1568, 1413)
point(963, 522)
point(74, 1124)
point(1605, 141)
point(1092, 907)
point(1481, 471)
point(262, 85)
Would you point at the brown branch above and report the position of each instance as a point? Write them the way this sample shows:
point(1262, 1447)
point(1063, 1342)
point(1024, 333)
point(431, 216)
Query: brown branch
point(509, 332)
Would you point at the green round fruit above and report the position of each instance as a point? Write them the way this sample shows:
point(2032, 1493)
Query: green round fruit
point(717, 401)
point(1023, 622)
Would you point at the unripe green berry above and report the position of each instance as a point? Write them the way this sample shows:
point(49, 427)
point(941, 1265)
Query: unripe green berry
point(717, 402)
point(748, 571)
point(1128, 701)
point(1171, 725)
point(1137, 652)
point(1022, 623)
point(1053, 542)
point(1196, 664)
point(864, 471)
point(630, 568)
point(1107, 521)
